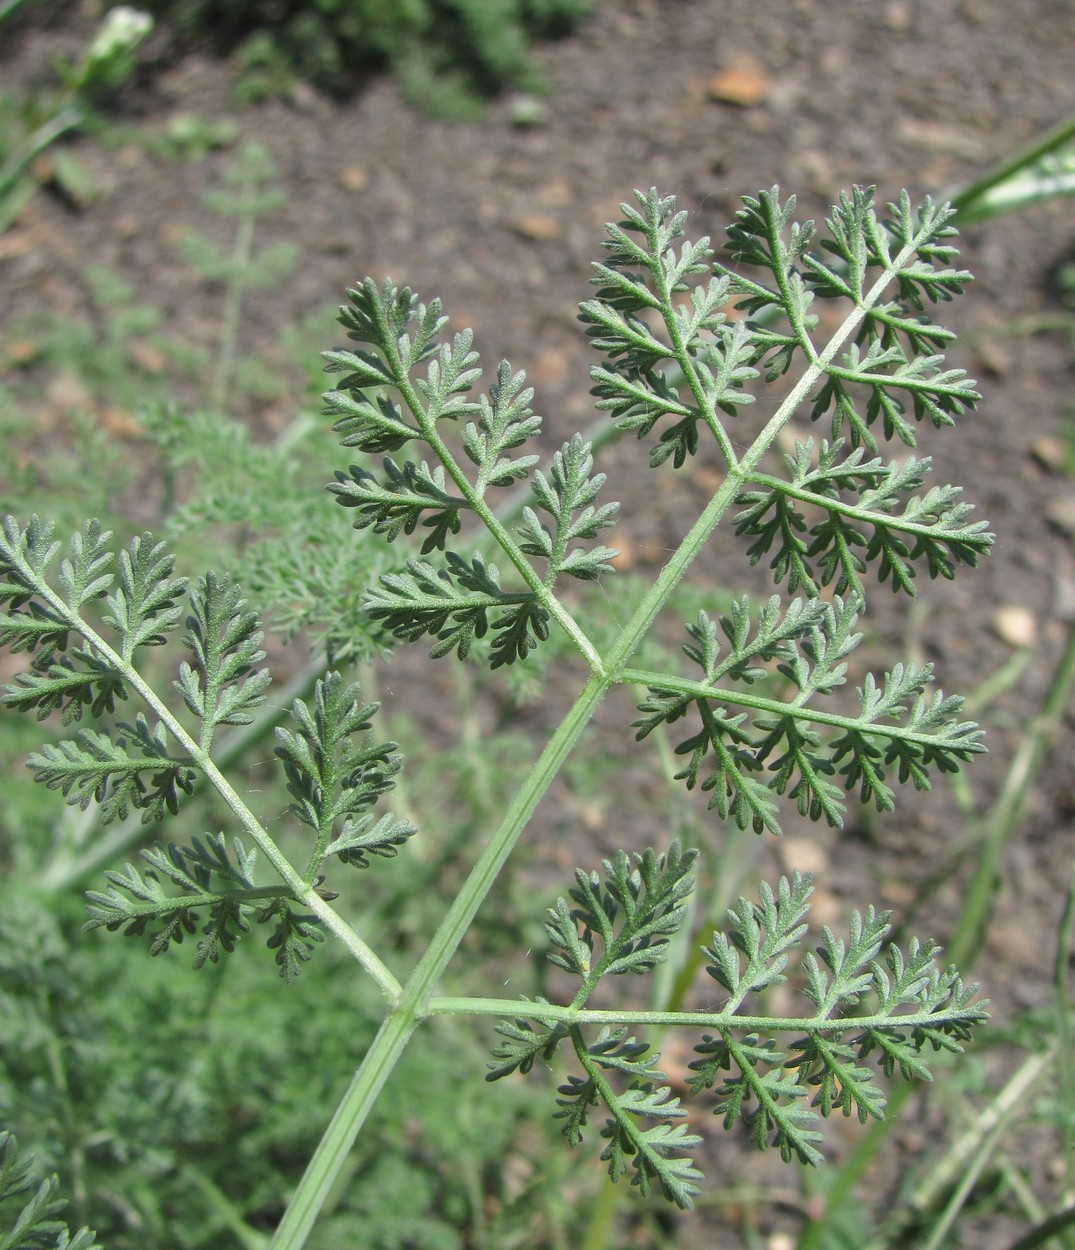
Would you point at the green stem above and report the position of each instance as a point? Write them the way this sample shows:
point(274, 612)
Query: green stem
point(1046, 1230)
point(869, 516)
point(1056, 137)
point(778, 708)
point(395, 1033)
point(1007, 811)
point(1065, 1059)
point(69, 117)
point(443, 1005)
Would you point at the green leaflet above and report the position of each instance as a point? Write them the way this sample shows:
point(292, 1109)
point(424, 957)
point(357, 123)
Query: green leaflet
point(37, 1222)
point(456, 599)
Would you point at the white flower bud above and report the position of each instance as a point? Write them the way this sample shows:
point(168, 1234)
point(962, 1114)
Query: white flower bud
point(121, 31)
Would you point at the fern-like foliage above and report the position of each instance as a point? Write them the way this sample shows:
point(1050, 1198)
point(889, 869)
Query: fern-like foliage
point(632, 912)
point(444, 456)
point(890, 375)
point(866, 998)
point(676, 359)
point(747, 758)
point(150, 763)
point(453, 598)
point(135, 769)
point(31, 1221)
point(221, 687)
point(883, 526)
point(335, 774)
point(869, 998)
point(611, 925)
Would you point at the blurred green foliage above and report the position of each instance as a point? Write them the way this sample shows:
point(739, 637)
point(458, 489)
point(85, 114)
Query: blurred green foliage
point(449, 55)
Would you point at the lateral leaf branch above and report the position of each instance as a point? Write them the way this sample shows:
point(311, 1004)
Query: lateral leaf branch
point(152, 762)
point(867, 999)
point(682, 337)
point(456, 599)
point(747, 759)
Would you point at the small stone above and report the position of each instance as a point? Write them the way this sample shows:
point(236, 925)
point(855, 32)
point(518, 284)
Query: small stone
point(527, 111)
point(1060, 512)
point(743, 82)
point(353, 177)
point(898, 16)
point(938, 136)
point(119, 423)
point(803, 854)
point(22, 351)
point(66, 393)
point(147, 356)
point(1048, 452)
point(538, 227)
point(994, 358)
point(625, 556)
point(1015, 625)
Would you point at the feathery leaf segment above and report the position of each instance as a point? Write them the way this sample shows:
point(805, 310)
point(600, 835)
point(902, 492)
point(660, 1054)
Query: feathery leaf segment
point(451, 598)
point(151, 763)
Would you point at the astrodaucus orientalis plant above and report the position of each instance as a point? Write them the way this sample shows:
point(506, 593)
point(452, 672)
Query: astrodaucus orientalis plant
point(761, 710)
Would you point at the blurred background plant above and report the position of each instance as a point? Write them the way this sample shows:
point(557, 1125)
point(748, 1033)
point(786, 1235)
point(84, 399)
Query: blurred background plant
point(31, 123)
point(449, 55)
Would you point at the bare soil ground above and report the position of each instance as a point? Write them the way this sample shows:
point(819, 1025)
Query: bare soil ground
point(501, 222)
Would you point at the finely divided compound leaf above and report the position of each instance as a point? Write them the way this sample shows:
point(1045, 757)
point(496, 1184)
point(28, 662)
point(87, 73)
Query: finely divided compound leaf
point(763, 933)
point(505, 422)
point(634, 911)
point(655, 1152)
point(747, 757)
point(216, 895)
point(79, 681)
point(225, 639)
point(456, 605)
point(716, 355)
point(522, 1046)
point(134, 769)
point(883, 525)
point(460, 600)
point(143, 607)
point(409, 495)
point(335, 773)
point(568, 495)
point(864, 997)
